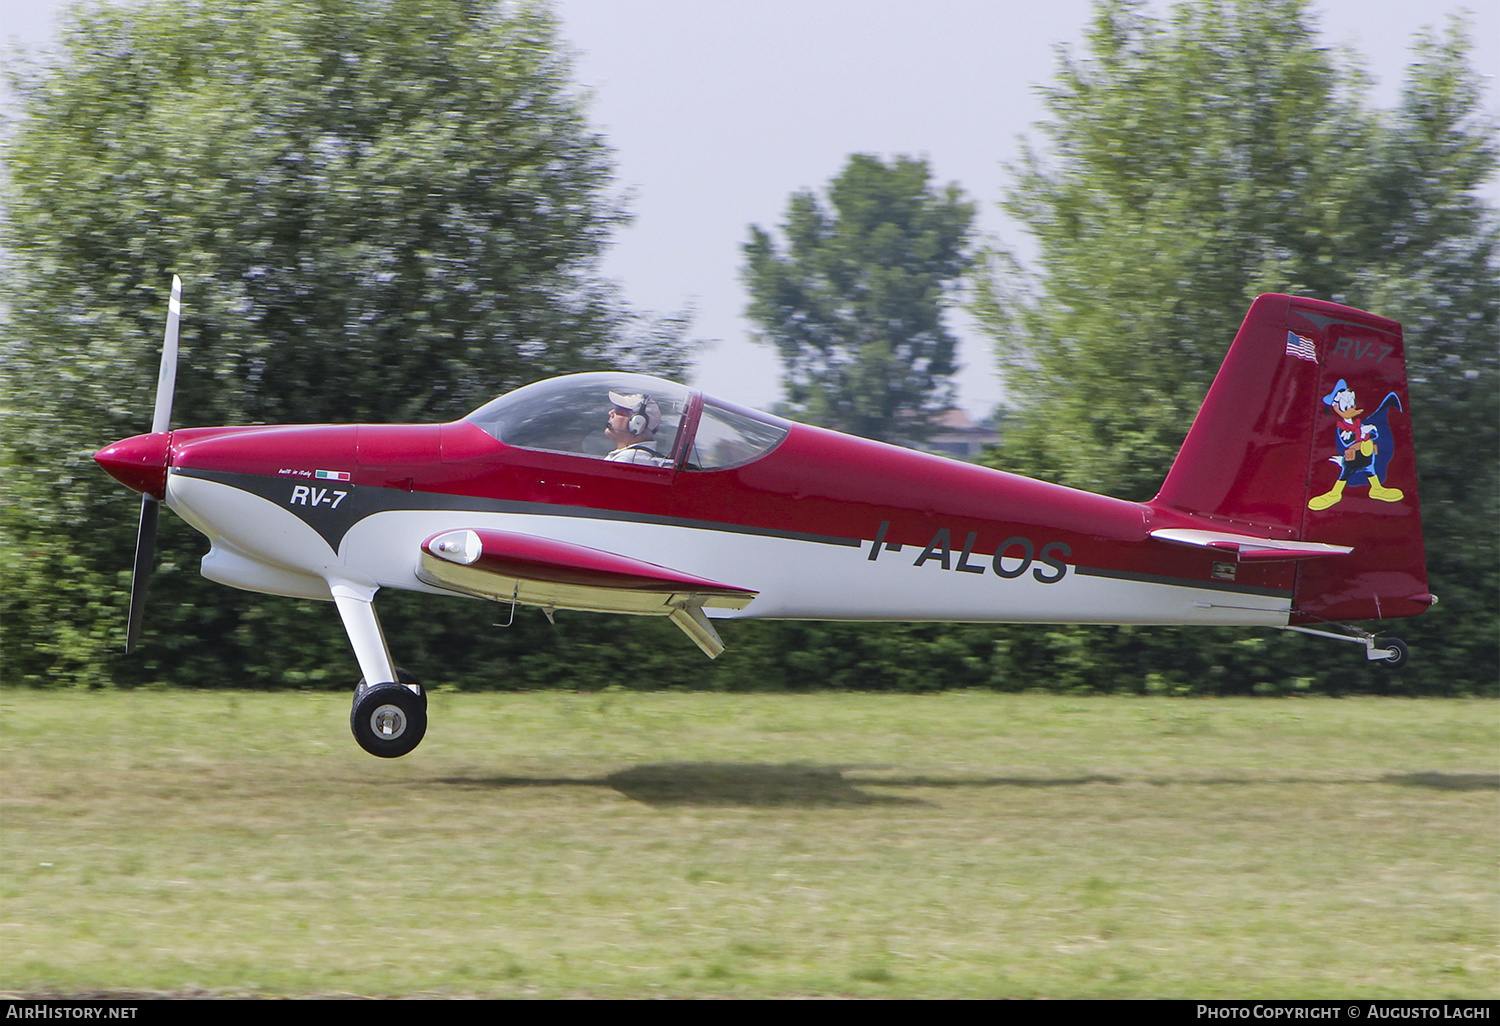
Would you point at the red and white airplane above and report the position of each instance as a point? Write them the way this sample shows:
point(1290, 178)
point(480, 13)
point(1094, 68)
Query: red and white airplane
point(1288, 506)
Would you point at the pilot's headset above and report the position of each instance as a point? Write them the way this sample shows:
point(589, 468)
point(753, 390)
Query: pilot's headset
point(645, 415)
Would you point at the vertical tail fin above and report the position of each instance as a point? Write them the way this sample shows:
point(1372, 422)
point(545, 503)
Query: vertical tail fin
point(1306, 435)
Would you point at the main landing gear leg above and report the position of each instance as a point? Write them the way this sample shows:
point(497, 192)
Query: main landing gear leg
point(1390, 651)
point(389, 716)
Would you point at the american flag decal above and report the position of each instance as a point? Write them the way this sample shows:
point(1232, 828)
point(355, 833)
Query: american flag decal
point(332, 475)
point(1301, 348)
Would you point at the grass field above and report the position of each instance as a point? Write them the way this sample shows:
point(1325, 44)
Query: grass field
point(624, 844)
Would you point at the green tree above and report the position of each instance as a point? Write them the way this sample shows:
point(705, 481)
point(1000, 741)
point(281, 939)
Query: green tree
point(855, 303)
point(1195, 163)
point(384, 210)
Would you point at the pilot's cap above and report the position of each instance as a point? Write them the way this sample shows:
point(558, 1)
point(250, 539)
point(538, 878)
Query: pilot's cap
point(645, 415)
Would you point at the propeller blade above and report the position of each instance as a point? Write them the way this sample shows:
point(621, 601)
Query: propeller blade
point(166, 379)
point(140, 579)
point(161, 419)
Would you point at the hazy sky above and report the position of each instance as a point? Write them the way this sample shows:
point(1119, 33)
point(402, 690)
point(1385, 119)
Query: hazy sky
point(719, 109)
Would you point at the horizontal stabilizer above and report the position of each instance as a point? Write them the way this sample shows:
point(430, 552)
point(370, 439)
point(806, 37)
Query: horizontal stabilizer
point(1248, 547)
point(525, 569)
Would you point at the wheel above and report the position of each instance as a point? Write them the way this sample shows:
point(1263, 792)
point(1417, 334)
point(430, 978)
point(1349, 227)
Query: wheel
point(388, 719)
point(1398, 652)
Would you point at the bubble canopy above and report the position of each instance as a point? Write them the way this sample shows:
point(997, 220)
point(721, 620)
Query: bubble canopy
point(569, 414)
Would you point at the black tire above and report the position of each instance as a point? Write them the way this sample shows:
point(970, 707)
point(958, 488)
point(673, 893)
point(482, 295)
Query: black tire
point(1399, 652)
point(388, 720)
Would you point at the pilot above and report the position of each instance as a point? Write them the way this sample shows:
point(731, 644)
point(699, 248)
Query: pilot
point(633, 420)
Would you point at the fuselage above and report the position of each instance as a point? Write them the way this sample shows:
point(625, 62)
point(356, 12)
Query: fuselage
point(822, 525)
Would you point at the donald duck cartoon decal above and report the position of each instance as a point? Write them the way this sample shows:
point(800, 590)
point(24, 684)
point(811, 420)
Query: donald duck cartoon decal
point(1364, 447)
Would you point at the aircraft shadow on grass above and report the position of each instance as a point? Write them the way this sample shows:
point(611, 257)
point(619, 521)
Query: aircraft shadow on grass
point(813, 786)
point(1446, 781)
point(759, 784)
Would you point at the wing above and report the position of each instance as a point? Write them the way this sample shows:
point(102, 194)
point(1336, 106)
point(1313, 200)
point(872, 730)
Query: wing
point(504, 566)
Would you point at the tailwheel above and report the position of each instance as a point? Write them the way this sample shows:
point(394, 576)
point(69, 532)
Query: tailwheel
point(388, 720)
point(1390, 651)
point(1396, 653)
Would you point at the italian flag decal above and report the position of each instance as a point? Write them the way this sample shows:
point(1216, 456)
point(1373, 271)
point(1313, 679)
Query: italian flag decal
point(332, 475)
